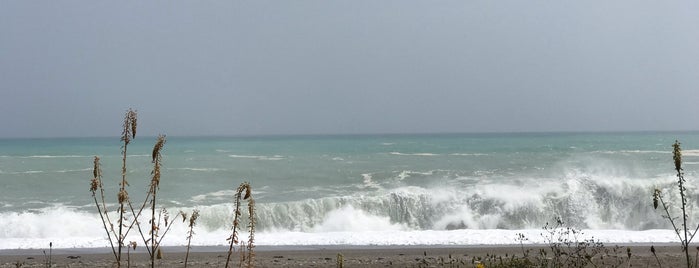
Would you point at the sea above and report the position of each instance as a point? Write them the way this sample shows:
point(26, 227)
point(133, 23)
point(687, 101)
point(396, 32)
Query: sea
point(354, 190)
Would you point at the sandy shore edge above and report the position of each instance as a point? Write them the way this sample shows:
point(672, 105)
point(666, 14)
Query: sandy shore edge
point(318, 256)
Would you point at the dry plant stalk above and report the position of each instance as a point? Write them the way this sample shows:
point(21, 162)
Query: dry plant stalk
point(245, 186)
point(128, 133)
point(152, 242)
point(684, 234)
point(95, 184)
point(117, 236)
point(190, 233)
point(153, 191)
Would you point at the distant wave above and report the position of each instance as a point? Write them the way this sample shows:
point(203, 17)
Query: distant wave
point(409, 173)
point(65, 156)
point(669, 151)
point(632, 152)
point(413, 154)
point(219, 195)
point(435, 154)
point(73, 170)
point(222, 195)
point(368, 182)
point(198, 169)
point(56, 156)
point(258, 157)
point(45, 171)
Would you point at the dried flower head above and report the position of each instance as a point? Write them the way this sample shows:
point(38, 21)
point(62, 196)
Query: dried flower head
point(248, 192)
point(96, 174)
point(193, 219)
point(656, 195)
point(96, 167)
point(93, 186)
point(122, 196)
point(677, 156)
point(158, 147)
point(155, 181)
point(130, 123)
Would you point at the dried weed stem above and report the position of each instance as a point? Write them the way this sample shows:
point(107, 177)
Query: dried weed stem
point(244, 187)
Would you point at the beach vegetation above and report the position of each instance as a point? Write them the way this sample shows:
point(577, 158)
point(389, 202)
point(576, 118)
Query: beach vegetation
point(47, 258)
point(190, 233)
point(340, 260)
point(116, 235)
point(565, 247)
point(247, 253)
point(685, 233)
point(159, 224)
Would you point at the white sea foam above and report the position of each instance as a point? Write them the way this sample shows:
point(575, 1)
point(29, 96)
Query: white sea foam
point(669, 151)
point(340, 221)
point(368, 182)
point(349, 219)
point(219, 195)
point(633, 152)
point(402, 175)
point(56, 156)
point(73, 170)
point(258, 157)
point(346, 226)
point(413, 154)
point(197, 169)
point(45, 171)
point(468, 154)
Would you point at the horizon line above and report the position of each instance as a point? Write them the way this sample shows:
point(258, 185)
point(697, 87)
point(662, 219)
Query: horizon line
point(374, 134)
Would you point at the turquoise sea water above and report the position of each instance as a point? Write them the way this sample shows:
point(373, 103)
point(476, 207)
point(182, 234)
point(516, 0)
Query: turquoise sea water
point(364, 189)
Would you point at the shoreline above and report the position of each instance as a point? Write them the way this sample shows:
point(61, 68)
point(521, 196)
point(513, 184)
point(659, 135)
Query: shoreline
point(669, 254)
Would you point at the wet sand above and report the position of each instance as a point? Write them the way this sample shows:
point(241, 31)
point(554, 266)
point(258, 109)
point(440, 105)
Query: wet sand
point(326, 256)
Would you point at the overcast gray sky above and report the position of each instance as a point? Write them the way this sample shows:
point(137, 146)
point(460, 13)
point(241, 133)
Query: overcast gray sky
point(71, 68)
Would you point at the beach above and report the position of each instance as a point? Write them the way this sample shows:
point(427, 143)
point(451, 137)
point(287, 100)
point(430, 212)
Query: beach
point(321, 256)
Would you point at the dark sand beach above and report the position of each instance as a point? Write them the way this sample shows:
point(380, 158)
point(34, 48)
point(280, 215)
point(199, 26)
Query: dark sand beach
point(321, 256)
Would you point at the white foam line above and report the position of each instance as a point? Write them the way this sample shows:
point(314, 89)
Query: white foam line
point(413, 154)
point(258, 157)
